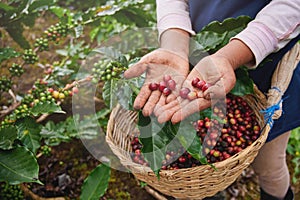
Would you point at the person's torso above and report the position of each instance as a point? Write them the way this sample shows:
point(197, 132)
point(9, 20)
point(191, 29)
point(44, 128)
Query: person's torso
point(204, 12)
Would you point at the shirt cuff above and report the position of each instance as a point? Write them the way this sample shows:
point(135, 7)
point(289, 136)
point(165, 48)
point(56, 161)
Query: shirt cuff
point(260, 40)
point(174, 20)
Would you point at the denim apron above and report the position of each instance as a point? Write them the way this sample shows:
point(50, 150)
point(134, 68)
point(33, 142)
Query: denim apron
point(204, 12)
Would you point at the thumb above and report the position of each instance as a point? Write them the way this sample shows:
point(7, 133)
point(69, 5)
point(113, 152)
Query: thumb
point(135, 70)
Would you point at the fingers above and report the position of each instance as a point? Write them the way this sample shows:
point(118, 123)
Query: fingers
point(190, 108)
point(165, 113)
point(135, 70)
point(142, 97)
point(220, 88)
point(216, 91)
point(170, 98)
point(155, 96)
point(140, 67)
point(160, 103)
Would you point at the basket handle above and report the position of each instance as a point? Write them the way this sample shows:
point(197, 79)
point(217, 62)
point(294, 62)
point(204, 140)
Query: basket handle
point(281, 79)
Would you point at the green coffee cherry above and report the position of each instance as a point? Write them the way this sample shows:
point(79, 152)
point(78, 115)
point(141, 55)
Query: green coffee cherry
point(5, 84)
point(55, 32)
point(9, 192)
point(30, 56)
point(105, 70)
point(42, 44)
point(16, 70)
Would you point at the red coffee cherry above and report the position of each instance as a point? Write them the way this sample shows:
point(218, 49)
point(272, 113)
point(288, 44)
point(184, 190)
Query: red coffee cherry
point(171, 84)
point(153, 86)
point(184, 92)
point(166, 92)
point(195, 81)
point(162, 86)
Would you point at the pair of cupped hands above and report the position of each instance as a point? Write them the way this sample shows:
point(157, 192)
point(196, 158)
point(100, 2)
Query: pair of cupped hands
point(213, 69)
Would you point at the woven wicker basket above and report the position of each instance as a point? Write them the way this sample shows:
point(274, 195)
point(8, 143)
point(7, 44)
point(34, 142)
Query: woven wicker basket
point(196, 182)
point(193, 183)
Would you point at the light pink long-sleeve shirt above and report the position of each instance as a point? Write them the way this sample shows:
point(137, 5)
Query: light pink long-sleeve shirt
point(273, 27)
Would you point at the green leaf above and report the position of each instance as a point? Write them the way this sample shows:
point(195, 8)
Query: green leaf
point(226, 29)
point(96, 184)
point(187, 136)
point(108, 94)
point(18, 165)
point(155, 139)
point(54, 134)
point(15, 30)
point(29, 20)
point(5, 7)
point(229, 24)
point(88, 128)
point(7, 137)
point(40, 4)
point(103, 113)
point(58, 11)
point(46, 108)
point(78, 31)
point(132, 16)
point(244, 84)
point(94, 32)
point(209, 40)
point(122, 91)
point(29, 133)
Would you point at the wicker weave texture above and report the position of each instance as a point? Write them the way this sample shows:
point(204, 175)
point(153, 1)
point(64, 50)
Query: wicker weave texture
point(190, 183)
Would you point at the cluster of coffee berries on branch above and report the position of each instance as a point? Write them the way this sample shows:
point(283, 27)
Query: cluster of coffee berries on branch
point(22, 111)
point(166, 86)
point(16, 70)
point(42, 44)
point(29, 56)
point(220, 139)
point(46, 150)
point(5, 84)
point(11, 192)
point(41, 93)
point(105, 70)
point(57, 31)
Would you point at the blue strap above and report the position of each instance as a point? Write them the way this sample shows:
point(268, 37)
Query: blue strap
point(269, 112)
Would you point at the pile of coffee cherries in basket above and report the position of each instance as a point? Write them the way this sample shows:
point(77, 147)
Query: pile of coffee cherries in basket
point(220, 139)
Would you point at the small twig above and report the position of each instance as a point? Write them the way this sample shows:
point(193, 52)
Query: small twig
point(11, 108)
point(76, 83)
point(39, 155)
point(12, 94)
point(96, 99)
point(154, 193)
point(33, 196)
point(44, 116)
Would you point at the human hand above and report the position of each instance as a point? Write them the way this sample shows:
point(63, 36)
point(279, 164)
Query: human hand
point(215, 70)
point(156, 64)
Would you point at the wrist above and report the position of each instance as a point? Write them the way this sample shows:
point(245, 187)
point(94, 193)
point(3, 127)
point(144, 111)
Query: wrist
point(176, 41)
point(236, 53)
